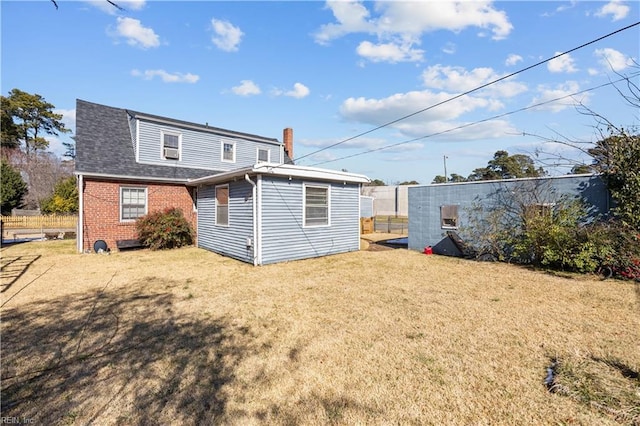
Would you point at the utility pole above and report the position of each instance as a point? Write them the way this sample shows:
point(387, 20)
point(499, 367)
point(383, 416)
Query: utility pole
point(446, 179)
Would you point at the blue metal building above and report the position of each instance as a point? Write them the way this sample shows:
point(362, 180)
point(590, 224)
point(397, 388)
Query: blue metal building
point(438, 208)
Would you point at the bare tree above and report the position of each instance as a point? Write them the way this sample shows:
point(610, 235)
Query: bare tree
point(604, 127)
point(41, 171)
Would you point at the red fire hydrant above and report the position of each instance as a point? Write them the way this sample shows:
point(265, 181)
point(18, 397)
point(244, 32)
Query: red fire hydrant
point(428, 250)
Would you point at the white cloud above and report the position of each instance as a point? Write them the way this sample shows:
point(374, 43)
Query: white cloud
point(439, 112)
point(561, 8)
point(68, 117)
point(357, 143)
point(299, 91)
point(361, 144)
point(459, 80)
point(568, 6)
point(561, 92)
point(246, 88)
point(227, 36)
point(617, 9)
point(460, 130)
point(408, 21)
point(389, 52)
point(564, 63)
point(127, 5)
point(611, 59)
point(351, 16)
point(380, 111)
point(166, 77)
point(449, 48)
point(136, 34)
point(323, 156)
point(512, 60)
point(55, 145)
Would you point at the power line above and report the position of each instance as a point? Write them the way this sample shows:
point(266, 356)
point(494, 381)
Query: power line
point(462, 126)
point(469, 91)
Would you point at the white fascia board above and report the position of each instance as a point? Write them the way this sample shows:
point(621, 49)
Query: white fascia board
point(284, 170)
point(133, 178)
point(304, 172)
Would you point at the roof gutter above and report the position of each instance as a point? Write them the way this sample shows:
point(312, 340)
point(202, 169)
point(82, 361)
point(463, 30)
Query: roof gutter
point(286, 170)
point(132, 178)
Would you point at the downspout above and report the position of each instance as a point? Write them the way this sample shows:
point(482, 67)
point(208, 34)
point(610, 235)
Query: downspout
point(79, 227)
point(255, 218)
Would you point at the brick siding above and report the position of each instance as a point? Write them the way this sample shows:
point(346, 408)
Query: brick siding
point(101, 218)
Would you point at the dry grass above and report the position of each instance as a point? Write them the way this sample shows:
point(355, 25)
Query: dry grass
point(389, 337)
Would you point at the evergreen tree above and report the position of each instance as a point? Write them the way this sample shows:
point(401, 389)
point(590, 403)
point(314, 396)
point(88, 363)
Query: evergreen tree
point(617, 158)
point(505, 166)
point(13, 188)
point(28, 117)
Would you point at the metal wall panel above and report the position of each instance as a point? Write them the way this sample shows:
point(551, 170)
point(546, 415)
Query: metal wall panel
point(425, 228)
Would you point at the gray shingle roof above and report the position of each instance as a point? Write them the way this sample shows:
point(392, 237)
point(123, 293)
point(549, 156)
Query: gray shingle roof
point(104, 145)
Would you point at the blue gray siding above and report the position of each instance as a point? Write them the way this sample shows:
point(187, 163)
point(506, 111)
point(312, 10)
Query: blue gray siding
point(199, 149)
point(283, 235)
point(227, 240)
point(425, 201)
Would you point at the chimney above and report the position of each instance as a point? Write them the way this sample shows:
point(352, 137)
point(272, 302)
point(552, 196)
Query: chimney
point(287, 139)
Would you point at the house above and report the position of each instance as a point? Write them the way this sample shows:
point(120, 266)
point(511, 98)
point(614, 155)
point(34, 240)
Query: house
point(241, 192)
point(435, 210)
point(272, 213)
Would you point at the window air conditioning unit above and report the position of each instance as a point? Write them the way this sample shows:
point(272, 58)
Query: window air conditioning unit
point(171, 153)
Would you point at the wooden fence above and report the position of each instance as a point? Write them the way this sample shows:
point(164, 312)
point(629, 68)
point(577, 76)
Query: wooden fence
point(388, 224)
point(39, 222)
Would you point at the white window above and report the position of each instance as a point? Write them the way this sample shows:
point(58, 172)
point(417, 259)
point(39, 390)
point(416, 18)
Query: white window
point(263, 155)
point(449, 217)
point(133, 203)
point(316, 205)
point(171, 146)
point(222, 205)
point(229, 152)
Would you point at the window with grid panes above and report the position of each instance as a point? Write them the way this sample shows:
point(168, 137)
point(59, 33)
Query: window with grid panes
point(133, 203)
point(316, 205)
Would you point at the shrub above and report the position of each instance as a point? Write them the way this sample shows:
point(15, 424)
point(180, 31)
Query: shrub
point(164, 229)
point(64, 199)
point(618, 248)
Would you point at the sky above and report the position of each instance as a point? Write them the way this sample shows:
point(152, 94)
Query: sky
point(394, 90)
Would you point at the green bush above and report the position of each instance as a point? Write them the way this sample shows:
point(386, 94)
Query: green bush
point(64, 199)
point(618, 248)
point(164, 229)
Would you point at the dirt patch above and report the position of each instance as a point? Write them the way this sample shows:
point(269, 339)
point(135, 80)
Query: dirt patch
point(378, 247)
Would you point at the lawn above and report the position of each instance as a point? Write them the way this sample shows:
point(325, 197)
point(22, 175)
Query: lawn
point(370, 337)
